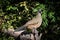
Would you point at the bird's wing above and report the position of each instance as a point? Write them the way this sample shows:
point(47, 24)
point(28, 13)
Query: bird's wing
point(32, 22)
point(35, 25)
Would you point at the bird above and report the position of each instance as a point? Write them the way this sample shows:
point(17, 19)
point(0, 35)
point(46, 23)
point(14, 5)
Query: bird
point(32, 24)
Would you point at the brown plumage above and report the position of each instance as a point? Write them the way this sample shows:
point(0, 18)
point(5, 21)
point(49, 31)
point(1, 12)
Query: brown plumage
point(34, 23)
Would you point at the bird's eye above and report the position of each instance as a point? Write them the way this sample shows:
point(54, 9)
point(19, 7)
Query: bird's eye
point(40, 11)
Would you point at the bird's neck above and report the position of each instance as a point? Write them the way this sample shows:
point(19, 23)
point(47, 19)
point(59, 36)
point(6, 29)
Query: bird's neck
point(38, 15)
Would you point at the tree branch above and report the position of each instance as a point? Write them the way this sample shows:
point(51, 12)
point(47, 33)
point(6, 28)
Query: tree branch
point(12, 33)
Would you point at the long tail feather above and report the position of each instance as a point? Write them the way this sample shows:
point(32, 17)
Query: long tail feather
point(20, 28)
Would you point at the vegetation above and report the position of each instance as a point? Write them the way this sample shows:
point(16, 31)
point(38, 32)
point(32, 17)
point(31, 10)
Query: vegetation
point(15, 13)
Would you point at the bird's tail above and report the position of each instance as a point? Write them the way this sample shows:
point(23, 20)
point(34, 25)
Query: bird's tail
point(20, 28)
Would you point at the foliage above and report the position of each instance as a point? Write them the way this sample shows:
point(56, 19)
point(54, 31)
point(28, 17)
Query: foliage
point(16, 13)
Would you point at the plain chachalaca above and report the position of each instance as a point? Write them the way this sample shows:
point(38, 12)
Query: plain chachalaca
point(34, 23)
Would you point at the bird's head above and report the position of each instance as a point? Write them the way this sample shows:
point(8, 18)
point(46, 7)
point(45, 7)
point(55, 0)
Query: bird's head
point(40, 11)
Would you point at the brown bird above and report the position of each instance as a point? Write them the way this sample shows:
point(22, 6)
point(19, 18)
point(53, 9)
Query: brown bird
point(34, 23)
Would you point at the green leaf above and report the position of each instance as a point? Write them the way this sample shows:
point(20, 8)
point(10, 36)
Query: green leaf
point(11, 7)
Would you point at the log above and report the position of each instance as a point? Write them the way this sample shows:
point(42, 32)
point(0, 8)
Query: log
point(20, 35)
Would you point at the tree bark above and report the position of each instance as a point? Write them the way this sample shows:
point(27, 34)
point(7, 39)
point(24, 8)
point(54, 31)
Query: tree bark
point(18, 36)
point(12, 33)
